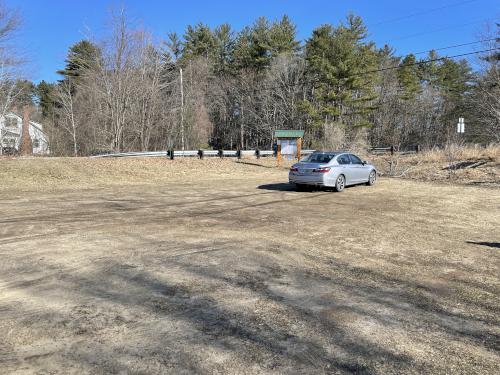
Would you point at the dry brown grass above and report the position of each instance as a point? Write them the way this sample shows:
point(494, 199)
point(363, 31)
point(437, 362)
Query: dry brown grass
point(79, 173)
point(454, 164)
point(471, 165)
point(490, 153)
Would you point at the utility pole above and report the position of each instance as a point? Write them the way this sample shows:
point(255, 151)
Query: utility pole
point(182, 112)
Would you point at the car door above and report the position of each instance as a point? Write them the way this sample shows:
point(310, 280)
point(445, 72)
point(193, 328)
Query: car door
point(345, 165)
point(359, 170)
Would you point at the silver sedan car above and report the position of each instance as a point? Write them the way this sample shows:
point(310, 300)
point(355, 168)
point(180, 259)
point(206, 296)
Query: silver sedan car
point(331, 169)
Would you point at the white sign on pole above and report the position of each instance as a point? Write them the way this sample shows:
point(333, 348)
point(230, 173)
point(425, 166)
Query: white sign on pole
point(461, 125)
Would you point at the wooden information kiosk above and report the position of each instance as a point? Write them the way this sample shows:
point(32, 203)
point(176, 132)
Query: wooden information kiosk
point(289, 143)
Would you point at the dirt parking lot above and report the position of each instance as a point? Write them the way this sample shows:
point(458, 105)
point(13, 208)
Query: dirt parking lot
point(236, 273)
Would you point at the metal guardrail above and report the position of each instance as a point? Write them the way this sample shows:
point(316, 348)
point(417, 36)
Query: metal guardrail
point(229, 153)
point(132, 154)
point(211, 153)
point(186, 153)
point(248, 152)
point(196, 153)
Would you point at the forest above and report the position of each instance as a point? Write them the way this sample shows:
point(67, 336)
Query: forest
point(224, 88)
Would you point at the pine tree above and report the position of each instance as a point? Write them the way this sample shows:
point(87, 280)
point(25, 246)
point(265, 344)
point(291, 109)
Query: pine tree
point(199, 41)
point(454, 78)
point(408, 78)
point(282, 37)
point(81, 56)
point(224, 48)
point(341, 67)
point(45, 94)
point(174, 45)
point(454, 84)
point(428, 69)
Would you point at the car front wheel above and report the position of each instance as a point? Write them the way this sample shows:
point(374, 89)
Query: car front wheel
point(340, 183)
point(372, 178)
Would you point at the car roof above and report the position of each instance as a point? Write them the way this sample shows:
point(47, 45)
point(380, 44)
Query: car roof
point(331, 152)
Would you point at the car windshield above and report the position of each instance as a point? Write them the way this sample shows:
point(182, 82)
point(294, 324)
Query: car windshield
point(318, 157)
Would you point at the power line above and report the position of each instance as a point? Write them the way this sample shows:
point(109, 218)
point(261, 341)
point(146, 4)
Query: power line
point(437, 30)
point(399, 66)
point(422, 12)
point(455, 46)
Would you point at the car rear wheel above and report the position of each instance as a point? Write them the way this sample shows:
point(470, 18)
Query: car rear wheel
point(340, 183)
point(372, 178)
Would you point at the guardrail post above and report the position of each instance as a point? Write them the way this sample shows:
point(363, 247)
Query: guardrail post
point(238, 154)
point(221, 153)
point(392, 150)
point(257, 153)
point(417, 149)
point(171, 154)
point(201, 154)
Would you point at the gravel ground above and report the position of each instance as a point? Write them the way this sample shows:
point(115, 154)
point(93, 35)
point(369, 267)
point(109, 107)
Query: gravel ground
point(216, 267)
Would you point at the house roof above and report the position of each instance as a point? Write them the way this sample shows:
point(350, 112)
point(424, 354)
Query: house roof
point(288, 133)
point(36, 125)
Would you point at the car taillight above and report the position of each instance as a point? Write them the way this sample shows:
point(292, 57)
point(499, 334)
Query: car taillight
point(322, 170)
point(294, 169)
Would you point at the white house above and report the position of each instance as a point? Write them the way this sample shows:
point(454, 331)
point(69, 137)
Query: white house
point(11, 128)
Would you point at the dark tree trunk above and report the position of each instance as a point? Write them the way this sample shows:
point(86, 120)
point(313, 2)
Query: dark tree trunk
point(26, 148)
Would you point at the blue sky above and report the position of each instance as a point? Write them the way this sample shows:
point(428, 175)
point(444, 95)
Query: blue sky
point(51, 27)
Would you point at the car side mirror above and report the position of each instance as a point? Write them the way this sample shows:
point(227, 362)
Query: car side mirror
point(364, 162)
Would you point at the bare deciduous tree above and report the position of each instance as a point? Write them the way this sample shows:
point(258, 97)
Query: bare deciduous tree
point(67, 109)
point(9, 24)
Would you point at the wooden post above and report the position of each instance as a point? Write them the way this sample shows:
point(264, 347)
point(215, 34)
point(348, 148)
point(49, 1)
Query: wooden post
point(278, 154)
point(299, 147)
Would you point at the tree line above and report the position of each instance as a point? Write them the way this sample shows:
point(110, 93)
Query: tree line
point(221, 88)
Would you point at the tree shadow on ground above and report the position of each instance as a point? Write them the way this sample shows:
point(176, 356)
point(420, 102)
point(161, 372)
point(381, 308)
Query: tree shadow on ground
point(259, 165)
point(171, 306)
point(485, 243)
point(262, 339)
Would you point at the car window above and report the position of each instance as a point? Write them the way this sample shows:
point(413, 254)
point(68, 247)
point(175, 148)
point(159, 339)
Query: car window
point(319, 158)
point(355, 159)
point(343, 159)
